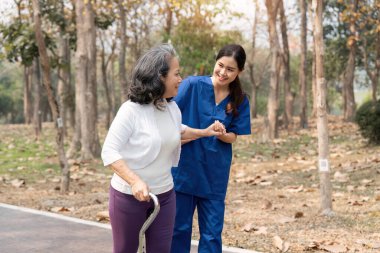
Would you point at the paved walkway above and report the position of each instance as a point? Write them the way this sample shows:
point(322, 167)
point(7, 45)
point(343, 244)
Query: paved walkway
point(24, 230)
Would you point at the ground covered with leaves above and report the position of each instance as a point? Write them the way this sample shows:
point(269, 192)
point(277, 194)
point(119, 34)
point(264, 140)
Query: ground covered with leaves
point(273, 197)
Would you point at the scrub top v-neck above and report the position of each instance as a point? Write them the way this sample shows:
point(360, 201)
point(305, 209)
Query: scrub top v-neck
point(205, 163)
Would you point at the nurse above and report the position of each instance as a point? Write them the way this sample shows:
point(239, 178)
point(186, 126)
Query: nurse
point(201, 178)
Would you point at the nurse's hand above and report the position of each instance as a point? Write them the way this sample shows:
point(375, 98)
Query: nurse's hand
point(140, 190)
point(219, 127)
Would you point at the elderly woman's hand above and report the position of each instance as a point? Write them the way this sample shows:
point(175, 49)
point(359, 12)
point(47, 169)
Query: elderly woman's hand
point(140, 190)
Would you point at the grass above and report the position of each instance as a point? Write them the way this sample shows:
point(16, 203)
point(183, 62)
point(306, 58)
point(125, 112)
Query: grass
point(22, 157)
point(287, 163)
point(271, 150)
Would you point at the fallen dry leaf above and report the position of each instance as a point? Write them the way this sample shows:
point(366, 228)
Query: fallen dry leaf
point(261, 231)
point(366, 182)
point(265, 183)
point(103, 216)
point(354, 203)
point(312, 246)
point(58, 209)
point(298, 215)
point(369, 244)
point(267, 204)
point(294, 188)
point(280, 244)
point(341, 177)
point(248, 227)
point(18, 182)
point(285, 219)
point(336, 248)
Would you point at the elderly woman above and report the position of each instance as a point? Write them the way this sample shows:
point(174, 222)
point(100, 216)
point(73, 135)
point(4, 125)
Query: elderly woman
point(142, 144)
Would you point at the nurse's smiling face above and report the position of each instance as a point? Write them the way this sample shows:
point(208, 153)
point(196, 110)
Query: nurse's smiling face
point(172, 80)
point(225, 71)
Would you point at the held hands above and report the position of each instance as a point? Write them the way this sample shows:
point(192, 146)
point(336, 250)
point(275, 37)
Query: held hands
point(140, 190)
point(215, 129)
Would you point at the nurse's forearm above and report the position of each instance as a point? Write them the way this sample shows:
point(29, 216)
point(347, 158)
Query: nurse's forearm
point(228, 137)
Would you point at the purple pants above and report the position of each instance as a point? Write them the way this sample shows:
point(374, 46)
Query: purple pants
point(127, 216)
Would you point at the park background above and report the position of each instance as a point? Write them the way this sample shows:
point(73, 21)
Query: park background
point(274, 198)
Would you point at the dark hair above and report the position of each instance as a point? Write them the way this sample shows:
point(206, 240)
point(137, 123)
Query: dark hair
point(236, 91)
point(146, 84)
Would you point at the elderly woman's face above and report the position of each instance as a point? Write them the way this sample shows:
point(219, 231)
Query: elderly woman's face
point(172, 80)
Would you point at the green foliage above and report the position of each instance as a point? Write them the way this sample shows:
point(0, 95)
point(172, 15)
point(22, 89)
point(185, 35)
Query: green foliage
point(19, 43)
point(368, 119)
point(199, 45)
point(103, 20)
point(11, 104)
point(6, 104)
point(195, 37)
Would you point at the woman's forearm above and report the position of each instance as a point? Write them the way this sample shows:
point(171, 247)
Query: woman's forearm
point(139, 188)
point(190, 134)
point(193, 133)
point(121, 169)
point(228, 137)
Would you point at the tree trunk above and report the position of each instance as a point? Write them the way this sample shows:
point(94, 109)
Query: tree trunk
point(63, 78)
point(104, 66)
point(272, 106)
point(374, 73)
point(253, 103)
point(253, 91)
point(52, 101)
point(75, 144)
point(37, 98)
point(375, 82)
point(112, 87)
point(123, 46)
point(303, 67)
point(28, 109)
point(313, 75)
point(323, 145)
point(86, 79)
point(168, 21)
point(288, 115)
point(349, 74)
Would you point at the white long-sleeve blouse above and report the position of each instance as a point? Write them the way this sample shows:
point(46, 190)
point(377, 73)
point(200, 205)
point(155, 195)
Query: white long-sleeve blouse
point(134, 137)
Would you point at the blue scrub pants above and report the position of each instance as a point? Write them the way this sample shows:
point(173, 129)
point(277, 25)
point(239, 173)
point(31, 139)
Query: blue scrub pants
point(210, 219)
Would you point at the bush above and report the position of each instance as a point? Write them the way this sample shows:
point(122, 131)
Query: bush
point(368, 119)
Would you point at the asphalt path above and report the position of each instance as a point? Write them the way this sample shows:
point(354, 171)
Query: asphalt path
point(24, 230)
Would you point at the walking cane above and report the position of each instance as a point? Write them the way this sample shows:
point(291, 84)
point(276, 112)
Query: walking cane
point(142, 242)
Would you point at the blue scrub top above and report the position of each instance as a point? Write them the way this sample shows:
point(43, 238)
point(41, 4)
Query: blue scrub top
point(204, 165)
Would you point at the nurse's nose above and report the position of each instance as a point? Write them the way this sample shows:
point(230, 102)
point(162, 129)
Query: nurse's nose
point(223, 71)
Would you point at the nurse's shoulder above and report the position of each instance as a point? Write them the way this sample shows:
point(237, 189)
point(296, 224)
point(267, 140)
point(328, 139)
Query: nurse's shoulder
point(196, 80)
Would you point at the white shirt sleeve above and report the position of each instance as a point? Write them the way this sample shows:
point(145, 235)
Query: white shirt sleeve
point(183, 128)
point(118, 135)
